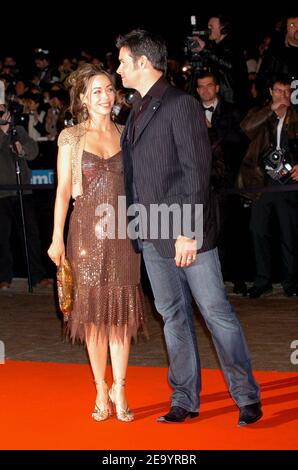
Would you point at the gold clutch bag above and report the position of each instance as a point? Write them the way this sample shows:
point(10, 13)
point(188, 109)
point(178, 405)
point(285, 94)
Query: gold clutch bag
point(65, 288)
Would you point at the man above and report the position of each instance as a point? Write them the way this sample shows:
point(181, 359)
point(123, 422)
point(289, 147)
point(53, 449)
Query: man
point(280, 57)
point(45, 74)
point(167, 160)
point(22, 150)
point(223, 123)
point(228, 145)
point(273, 127)
point(222, 57)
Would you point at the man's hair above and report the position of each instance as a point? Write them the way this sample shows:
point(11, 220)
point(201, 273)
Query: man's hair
point(224, 21)
point(141, 42)
point(201, 75)
point(283, 79)
point(41, 56)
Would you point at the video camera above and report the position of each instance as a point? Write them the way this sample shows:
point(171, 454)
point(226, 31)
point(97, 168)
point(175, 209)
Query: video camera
point(18, 117)
point(277, 166)
point(196, 58)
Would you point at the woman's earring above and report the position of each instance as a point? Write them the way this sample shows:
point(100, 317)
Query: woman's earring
point(115, 111)
point(85, 113)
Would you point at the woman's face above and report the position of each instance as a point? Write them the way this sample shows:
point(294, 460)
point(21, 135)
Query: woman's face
point(100, 97)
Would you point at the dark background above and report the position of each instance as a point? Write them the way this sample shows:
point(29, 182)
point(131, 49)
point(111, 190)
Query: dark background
point(65, 28)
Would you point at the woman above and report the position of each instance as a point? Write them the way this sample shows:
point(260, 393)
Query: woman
point(108, 306)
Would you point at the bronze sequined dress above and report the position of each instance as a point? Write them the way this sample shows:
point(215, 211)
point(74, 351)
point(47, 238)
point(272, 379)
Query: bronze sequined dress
point(108, 297)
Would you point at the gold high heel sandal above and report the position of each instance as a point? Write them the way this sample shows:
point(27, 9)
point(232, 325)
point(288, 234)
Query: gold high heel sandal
point(123, 414)
point(102, 410)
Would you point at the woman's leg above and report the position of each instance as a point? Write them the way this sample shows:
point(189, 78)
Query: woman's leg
point(97, 346)
point(119, 351)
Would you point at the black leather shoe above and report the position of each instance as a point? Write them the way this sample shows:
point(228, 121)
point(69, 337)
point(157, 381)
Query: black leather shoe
point(250, 414)
point(177, 415)
point(240, 288)
point(255, 292)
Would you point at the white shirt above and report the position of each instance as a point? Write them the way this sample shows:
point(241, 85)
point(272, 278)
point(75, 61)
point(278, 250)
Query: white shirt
point(208, 114)
point(279, 129)
point(32, 132)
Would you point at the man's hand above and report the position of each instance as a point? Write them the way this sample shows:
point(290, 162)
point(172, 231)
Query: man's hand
point(280, 106)
point(6, 117)
point(186, 251)
point(201, 44)
point(294, 173)
point(18, 148)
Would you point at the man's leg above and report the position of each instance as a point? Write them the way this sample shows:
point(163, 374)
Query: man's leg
point(33, 237)
point(6, 260)
point(286, 206)
point(261, 235)
point(173, 302)
point(206, 283)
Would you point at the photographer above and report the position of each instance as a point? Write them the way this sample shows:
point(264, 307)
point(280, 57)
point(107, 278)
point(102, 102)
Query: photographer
point(225, 60)
point(16, 144)
point(273, 130)
point(281, 57)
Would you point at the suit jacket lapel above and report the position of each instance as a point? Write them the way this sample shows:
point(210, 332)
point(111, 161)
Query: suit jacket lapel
point(146, 118)
point(216, 112)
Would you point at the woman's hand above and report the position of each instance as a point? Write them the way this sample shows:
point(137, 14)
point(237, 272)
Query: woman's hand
point(57, 252)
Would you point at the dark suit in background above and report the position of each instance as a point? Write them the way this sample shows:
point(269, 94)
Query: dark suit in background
point(229, 144)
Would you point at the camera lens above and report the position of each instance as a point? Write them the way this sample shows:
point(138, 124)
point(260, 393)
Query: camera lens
point(193, 44)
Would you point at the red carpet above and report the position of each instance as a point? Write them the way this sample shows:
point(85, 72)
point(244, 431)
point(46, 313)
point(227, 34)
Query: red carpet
point(48, 406)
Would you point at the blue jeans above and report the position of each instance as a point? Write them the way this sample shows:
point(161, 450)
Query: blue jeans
point(173, 289)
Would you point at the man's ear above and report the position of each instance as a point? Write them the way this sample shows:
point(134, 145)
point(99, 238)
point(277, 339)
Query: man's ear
point(143, 60)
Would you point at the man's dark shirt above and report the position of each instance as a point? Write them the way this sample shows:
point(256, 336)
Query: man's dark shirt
point(141, 104)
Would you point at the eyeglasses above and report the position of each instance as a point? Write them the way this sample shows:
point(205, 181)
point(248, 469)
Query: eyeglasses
point(280, 91)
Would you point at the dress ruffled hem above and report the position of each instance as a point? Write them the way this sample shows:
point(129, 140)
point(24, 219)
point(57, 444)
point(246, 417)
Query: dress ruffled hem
point(108, 311)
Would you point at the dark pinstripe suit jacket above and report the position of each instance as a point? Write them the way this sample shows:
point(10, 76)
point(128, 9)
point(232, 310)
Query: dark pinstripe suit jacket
point(168, 160)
